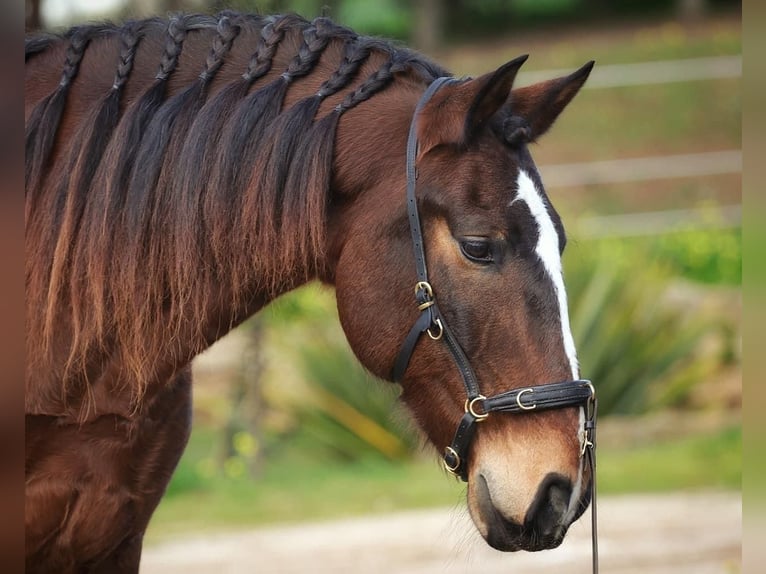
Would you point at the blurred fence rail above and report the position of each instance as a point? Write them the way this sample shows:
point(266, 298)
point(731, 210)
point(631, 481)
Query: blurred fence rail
point(645, 73)
point(657, 222)
point(642, 168)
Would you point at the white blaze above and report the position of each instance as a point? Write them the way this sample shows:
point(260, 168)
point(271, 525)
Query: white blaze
point(548, 251)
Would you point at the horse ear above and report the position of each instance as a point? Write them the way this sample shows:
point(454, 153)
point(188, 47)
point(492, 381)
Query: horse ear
point(457, 112)
point(540, 104)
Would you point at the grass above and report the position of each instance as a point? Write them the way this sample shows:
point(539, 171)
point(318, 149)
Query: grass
point(646, 120)
point(608, 44)
point(631, 121)
point(292, 490)
point(704, 461)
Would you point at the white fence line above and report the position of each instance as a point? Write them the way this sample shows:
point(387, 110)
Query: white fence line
point(642, 168)
point(649, 168)
point(647, 73)
point(658, 222)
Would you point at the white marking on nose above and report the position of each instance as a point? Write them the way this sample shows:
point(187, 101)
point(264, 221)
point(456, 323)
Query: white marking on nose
point(547, 250)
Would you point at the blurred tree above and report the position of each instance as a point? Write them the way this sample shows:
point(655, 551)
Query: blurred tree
point(33, 20)
point(242, 433)
point(429, 24)
point(691, 9)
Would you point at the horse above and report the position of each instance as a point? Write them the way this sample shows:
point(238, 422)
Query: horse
point(183, 172)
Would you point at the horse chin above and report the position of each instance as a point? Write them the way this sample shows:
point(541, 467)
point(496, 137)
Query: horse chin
point(507, 535)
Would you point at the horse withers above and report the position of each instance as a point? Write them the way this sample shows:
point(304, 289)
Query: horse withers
point(182, 173)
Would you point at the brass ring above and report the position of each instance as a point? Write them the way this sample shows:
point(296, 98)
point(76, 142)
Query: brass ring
point(441, 330)
point(452, 469)
point(522, 406)
point(426, 305)
point(469, 408)
point(592, 390)
point(425, 286)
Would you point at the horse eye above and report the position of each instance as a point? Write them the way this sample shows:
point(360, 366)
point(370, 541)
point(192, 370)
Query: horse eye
point(477, 250)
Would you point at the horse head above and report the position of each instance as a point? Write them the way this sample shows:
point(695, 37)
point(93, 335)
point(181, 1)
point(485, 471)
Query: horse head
point(493, 244)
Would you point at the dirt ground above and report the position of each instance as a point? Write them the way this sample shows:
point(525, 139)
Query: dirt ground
point(676, 533)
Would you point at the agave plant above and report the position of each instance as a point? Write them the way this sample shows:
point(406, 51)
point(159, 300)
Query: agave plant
point(641, 350)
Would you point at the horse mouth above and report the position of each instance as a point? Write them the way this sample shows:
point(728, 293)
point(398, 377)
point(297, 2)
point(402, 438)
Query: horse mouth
point(507, 535)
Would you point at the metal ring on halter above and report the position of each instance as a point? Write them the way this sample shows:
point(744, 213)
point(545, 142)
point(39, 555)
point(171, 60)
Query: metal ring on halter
point(586, 444)
point(452, 469)
point(469, 408)
point(425, 286)
point(522, 406)
point(438, 336)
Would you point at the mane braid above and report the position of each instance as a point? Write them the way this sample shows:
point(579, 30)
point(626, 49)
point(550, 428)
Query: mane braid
point(90, 142)
point(259, 200)
point(236, 132)
point(196, 161)
point(36, 44)
point(149, 201)
point(246, 126)
point(298, 216)
point(42, 125)
point(100, 243)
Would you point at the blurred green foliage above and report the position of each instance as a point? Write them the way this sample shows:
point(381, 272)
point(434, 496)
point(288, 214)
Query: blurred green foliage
point(469, 19)
point(641, 347)
point(333, 409)
point(708, 256)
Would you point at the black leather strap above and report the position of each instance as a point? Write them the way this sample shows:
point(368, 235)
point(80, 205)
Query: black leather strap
point(412, 177)
point(408, 347)
point(457, 452)
point(590, 454)
point(470, 381)
point(541, 397)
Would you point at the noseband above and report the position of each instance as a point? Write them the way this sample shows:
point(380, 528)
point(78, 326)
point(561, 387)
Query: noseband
point(524, 401)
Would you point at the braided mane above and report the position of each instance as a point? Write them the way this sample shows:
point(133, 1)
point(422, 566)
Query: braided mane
point(184, 184)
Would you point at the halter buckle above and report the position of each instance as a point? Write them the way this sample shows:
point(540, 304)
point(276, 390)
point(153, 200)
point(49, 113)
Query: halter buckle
point(424, 286)
point(590, 421)
point(451, 468)
point(470, 408)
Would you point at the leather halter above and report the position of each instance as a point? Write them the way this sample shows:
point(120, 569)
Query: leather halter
point(524, 401)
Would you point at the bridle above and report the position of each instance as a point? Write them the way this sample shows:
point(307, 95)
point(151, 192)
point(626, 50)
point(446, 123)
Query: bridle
point(527, 400)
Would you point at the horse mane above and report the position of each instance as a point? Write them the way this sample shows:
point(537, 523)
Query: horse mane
point(198, 194)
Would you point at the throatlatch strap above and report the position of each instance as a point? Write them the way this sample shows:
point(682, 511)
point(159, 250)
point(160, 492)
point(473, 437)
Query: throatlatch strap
point(408, 347)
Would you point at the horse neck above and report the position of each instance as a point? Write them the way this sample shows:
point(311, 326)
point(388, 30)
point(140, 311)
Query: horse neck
point(142, 352)
point(369, 168)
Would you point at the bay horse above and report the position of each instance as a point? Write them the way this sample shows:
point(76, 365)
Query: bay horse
point(182, 173)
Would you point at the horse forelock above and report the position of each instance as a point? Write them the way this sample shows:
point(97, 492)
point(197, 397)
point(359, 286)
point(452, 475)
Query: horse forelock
point(196, 191)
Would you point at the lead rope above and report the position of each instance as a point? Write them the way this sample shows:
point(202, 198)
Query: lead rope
point(590, 452)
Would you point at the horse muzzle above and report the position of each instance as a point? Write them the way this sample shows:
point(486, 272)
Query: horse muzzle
point(543, 526)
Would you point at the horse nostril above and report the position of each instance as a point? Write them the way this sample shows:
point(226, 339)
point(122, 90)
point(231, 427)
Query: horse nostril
point(550, 505)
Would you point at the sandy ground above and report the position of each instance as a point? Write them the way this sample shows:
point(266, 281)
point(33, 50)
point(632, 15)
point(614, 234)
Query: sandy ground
point(677, 533)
